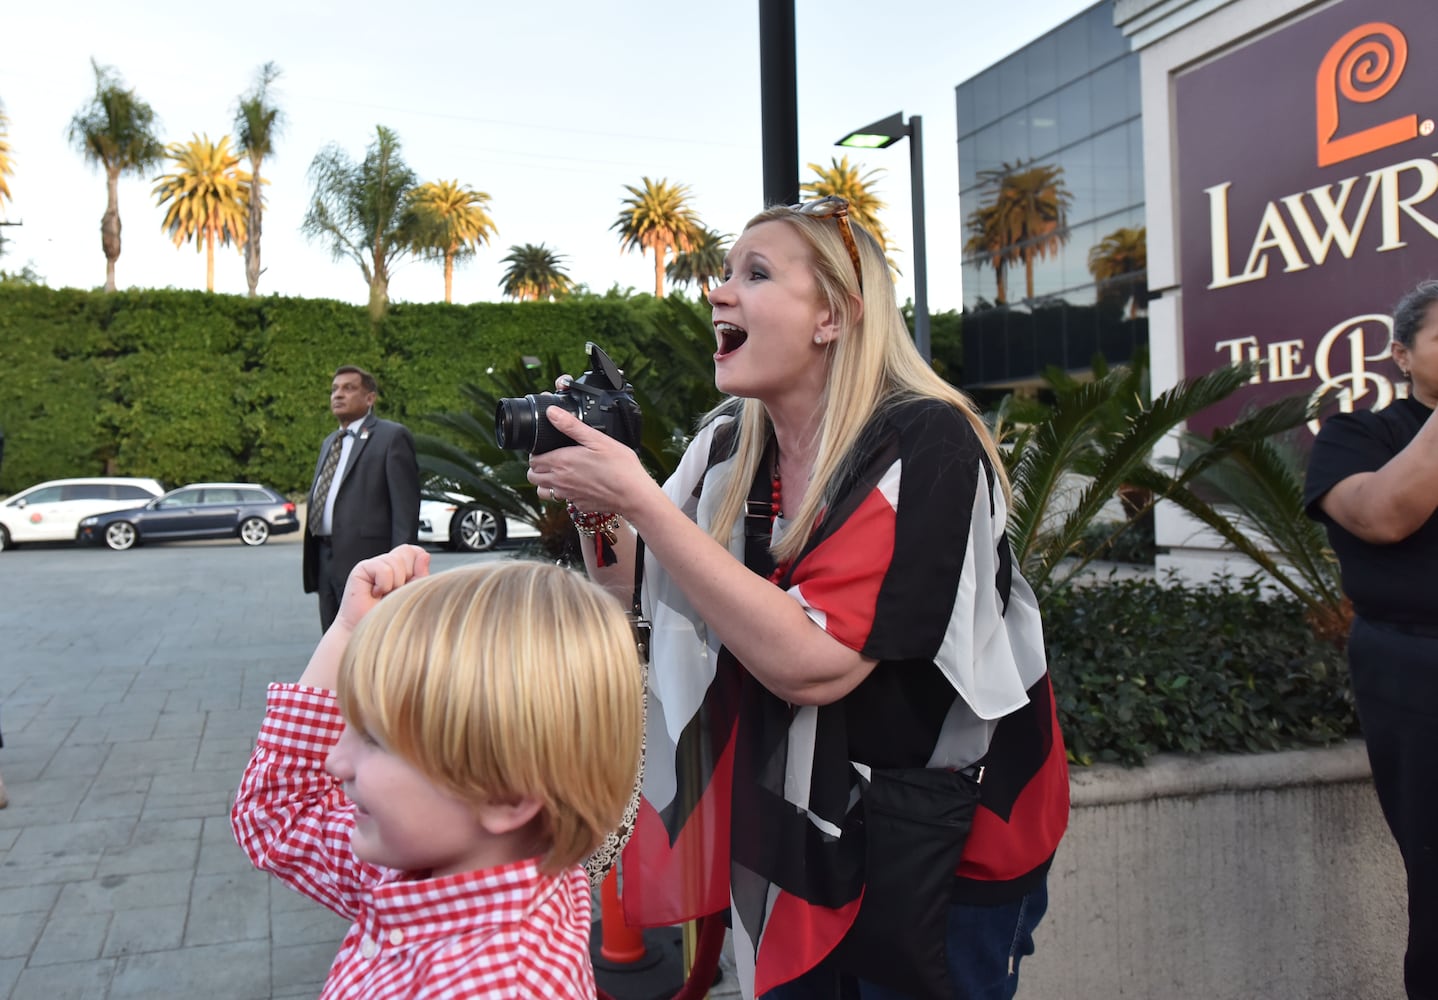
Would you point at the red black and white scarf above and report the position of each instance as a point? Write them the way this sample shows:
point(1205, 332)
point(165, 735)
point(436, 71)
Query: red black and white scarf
point(747, 798)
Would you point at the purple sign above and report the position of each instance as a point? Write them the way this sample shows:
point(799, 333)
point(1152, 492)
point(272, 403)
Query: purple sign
point(1308, 201)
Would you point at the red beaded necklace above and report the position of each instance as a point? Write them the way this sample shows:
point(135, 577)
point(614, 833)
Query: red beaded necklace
point(776, 508)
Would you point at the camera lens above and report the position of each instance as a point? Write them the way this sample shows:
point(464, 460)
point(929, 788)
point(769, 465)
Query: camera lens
point(514, 423)
point(520, 423)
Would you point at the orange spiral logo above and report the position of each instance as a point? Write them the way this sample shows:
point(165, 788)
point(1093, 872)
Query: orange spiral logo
point(1362, 66)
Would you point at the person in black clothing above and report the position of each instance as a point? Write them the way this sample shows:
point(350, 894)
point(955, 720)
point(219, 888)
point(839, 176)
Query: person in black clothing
point(365, 497)
point(1373, 482)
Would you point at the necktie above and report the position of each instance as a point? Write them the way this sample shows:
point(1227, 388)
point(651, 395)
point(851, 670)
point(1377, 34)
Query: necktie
point(322, 484)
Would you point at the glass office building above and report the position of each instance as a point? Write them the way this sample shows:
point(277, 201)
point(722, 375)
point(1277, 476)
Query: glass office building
point(1052, 132)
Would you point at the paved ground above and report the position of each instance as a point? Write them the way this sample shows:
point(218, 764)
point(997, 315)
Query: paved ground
point(131, 687)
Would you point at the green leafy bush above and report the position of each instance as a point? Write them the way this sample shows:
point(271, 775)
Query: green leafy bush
point(1120, 541)
point(187, 386)
point(1141, 668)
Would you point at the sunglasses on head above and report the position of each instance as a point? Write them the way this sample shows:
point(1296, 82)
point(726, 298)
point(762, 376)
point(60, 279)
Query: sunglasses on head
point(837, 208)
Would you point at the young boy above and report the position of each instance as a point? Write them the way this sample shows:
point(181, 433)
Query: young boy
point(448, 757)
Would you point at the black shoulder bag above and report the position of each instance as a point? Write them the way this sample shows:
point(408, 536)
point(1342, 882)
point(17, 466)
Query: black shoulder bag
point(914, 823)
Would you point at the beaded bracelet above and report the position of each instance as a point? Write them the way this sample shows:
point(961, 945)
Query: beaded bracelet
point(602, 526)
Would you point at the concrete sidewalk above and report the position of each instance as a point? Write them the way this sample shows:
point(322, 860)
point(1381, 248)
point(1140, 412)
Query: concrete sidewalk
point(131, 688)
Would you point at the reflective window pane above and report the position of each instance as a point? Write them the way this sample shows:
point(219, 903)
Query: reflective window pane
point(1015, 138)
point(964, 98)
point(988, 150)
point(1042, 66)
point(1107, 94)
point(1105, 41)
point(986, 97)
point(1075, 113)
point(968, 164)
point(1111, 172)
point(1043, 116)
point(1075, 260)
point(1013, 84)
point(1073, 50)
point(1133, 85)
point(1048, 275)
point(1135, 161)
point(1078, 176)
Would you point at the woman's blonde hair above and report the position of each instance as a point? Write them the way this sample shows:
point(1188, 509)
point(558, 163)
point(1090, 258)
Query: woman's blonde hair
point(873, 362)
point(505, 681)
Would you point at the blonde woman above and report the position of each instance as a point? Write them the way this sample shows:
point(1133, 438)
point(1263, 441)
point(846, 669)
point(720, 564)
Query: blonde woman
point(845, 659)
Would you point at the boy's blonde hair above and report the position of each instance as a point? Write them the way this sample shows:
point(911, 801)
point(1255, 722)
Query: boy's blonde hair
point(505, 681)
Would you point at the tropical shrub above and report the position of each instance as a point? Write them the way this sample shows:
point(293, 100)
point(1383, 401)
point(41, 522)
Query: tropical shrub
point(1141, 668)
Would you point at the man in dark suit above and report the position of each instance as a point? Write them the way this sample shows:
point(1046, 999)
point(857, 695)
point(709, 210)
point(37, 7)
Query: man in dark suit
point(365, 496)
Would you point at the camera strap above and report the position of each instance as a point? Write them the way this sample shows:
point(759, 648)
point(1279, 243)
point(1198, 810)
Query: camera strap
point(637, 622)
point(634, 607)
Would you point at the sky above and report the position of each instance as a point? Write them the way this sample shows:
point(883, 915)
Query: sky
point(551, 108)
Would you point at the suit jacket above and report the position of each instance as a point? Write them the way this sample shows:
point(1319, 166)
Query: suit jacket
point(377, 506)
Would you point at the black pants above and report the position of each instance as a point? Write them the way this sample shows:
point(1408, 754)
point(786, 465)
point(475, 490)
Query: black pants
point(331, 578)
point(1395, 682)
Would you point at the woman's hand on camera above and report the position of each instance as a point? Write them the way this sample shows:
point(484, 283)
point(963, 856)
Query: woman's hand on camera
point(599, 474)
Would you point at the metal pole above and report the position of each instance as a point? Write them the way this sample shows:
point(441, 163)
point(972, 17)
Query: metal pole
point(778, 102)
point(921, 262)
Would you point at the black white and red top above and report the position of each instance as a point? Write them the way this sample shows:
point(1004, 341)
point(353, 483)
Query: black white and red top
point(505, 932)
point(909, 565)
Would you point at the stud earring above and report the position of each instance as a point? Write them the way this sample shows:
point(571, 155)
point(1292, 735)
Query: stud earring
point(818, 338)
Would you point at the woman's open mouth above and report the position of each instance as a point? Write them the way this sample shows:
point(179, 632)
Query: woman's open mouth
point(731, 338)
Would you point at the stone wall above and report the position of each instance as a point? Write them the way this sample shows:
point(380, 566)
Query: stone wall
point(1266, 876)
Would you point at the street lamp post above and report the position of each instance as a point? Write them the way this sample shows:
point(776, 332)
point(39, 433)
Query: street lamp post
point(881, 134)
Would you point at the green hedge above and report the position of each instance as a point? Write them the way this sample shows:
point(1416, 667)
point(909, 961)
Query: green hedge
point(1141, 668)
point(186, 386)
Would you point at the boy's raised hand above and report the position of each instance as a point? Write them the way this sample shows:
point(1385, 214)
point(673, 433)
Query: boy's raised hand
point(368, 583)
point(372, 579)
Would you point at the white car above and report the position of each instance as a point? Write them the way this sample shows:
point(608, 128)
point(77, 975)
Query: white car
point(460, 522)
point(51, 512)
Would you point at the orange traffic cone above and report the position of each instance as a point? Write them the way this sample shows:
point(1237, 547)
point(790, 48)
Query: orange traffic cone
point(619, 943)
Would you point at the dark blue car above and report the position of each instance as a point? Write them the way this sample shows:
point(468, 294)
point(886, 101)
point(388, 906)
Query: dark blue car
point(247, 511)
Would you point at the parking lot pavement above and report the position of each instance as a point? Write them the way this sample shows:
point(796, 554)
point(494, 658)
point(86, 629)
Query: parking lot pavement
point(131, 688)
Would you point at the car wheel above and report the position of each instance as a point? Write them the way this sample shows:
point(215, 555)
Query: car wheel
point(475, 529)
point(121, 536)
point(254, 531)
point(5, 542)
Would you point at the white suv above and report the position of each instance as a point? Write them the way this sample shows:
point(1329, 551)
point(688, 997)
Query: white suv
point(51, 512)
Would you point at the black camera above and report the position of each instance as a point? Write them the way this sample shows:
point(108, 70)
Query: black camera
point(600, 397)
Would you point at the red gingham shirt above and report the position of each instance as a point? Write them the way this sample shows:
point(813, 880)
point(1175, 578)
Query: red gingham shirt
point(500, 932)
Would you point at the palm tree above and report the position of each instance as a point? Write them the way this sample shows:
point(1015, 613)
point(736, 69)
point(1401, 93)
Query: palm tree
point(1099, 434)
point(658, 218)
point(535, 273)
point(1119, 264)
point(117, 131)
point(209, 197)
point(702, 263)
point(257, 124)
point(7, 169)
point(843, 179)
point(990, 244)
point(362, 209)
point(451, 223)
point(1025, 219)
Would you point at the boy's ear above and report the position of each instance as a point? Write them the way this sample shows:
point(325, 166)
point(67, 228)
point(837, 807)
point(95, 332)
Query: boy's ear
point(499, 818)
